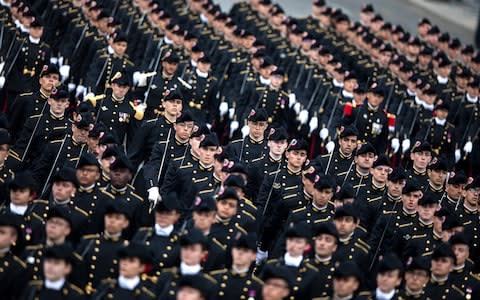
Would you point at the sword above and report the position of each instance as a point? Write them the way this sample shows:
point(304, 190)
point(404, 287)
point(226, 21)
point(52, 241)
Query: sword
point(154, 203)
point(53, 166)
point(33, 133)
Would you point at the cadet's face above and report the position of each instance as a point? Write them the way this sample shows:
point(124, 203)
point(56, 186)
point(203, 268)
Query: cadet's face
point(462, 252)
point(183, 130)
point(348, 144)
point(203, 220)
point(4, 152)
point(105, 163)
point(130, 267)
point(278, 147)
point(119, 91)
point(257, 129)
point(437, 177)
point(8, 236)
point(380, 173)
point(36, 32)
point(322, 197)
point(275, 288)
point(48, 82)
point(345, 226)
point(166, 218)
point(472, 196)
point(325, 245)
point(388, 280)
point(296, 158)
point(395, 187)
point(195, 143)
point(59, 106)
point(421, 159)
point(204, 67)
point(55, 269)
point(169, 68)
point(120, 177)
point(192, 254)
point(410, 200)
point(366, 160)
point(454, 191)
point(426, 212)
point(88, 175)
point(296, 246)
point(442, 266)
point(120, 47)
point(188, 293)
point(276, 81)
point(173, 107)
point(80, 134)
point(415, 280)
point(243, 257)
point(344, 287)
point(115, 223)
point(207, 154)
point(57, 228)
point(63, 190)
point(20, 196)
point(226, 208)
point(374, 100)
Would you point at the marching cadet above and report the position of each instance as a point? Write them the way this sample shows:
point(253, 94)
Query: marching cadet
point(373, 124)
point(421, 156)
point(64, 187)
point(22, 192)
point(388, 279)
point(154, 130)
point(437, 172)
point(253, 145)
point(190, 180)
point(14, 274)
point(63, 152)
point(121, 172)
point(106, 64)
point(325, 237)
point(278, 282)
point(120, 116)
point(297, 241)
point(98, 252)
point(462, 275)
point(195, 287)
point(33, 102)
point(416, 277)
point(350, 247)
point(440, 284)
point(467, 212)
point(8, 164)
point(162, 239)
point(440, 134)
point(238, 280)
point(264, 166)
point(58, 226)
point(193, 249)
point(166, 151)
point(130, 283)
point(57, 265)
point(370, 196)
point(246, 211)
point(358, 174)
point(52, 121)
point(347, 280)
point(339, 162)
point(453, 191)
point(25, 62)
point(401, 218)
point(106, 160)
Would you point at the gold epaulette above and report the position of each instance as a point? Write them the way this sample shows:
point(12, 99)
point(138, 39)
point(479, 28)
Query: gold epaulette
point(102, 190)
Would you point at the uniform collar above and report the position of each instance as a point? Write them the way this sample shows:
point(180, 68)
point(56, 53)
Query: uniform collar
point(255, 142)
point(437, 280)
point(87, 189)
point(440, 122)
point(384, 296)
point(120, 191)
point(239, 271)
point(409, 214)
point(291, 172)
point(54, 285)
point(128, 283)
point(468, 209)
point(323, 260)
point(33, 40)
point(346, 240)
point(202, 167)
point(442, 80)
point(347, 94)
point(264, 80)
point(434, 188)
point(163, 231)
point(316, 207)
point(344, 156)
point(471, 99)
point(117, 100)
point(200, 73)
point(291, 261)
point(113, 237)
point(337, 83)
point(189, 270)
point(418, 172)
point(17, 209)
point(54, 117)
point(371, 108)
point(459, 269)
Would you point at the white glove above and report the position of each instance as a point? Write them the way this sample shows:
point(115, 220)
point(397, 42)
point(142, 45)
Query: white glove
point(468, 147)
point(303, 117)
point(261, 256)
point(2, 64)
point(71, 87)
point(209, 126)
point(296, 108)
point(90, 95)
point(330, 146)
point(405, 145)
point(395, 145)
point(233, 126)
point(53, 60)
point(223, 108)
point(323, 133)
point(64, 71)
point(2, 81)
point(80, 90)
point(245, 130)
point(139, 79)
point(141, 107)
point(153, 194)
point(458, 155)
point(292, 99)
point(60, 60)
point(231, 112)
point(313, 124)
